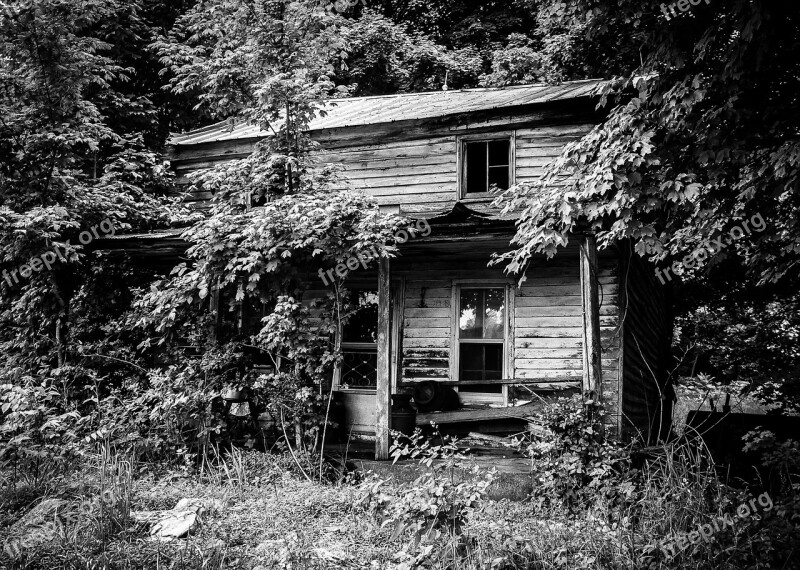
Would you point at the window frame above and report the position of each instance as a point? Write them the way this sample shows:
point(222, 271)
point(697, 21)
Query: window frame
point(461, 159)
point(355, 346)
point(507, 340)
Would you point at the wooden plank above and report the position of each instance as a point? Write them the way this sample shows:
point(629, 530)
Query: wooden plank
point(550, 332)
point(427, 312)
point(592, 367)
point(561, 311)
point(565, 301)
point(572, 129)
point(550, 386)
point(563, 267)
point(417, 292)
point(437, 196)
point(426, 343)
point(554, 363)
point(555, 353)
point(389, 171)
point(560, 322)
point(405, 155)
point(418, 303)
point(383, 396)
point(565, 278)
point(521, 374)
point(379, 182)
point(476, 415)
point(392, 147)
point(427, 332)
point(535, 164)
point(554, 301)
point(417, 323)
point(548, 343)
point(563, 290)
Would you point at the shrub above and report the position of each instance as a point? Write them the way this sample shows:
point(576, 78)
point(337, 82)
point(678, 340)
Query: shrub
point(435, 507)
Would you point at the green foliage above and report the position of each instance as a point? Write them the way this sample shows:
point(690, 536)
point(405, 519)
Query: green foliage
point(434, 508)
point(385, 57)
point(574, 462)
point(745, 337)
point(698, 142)
point(72, 160)
point(694, 150)
point(254, 60)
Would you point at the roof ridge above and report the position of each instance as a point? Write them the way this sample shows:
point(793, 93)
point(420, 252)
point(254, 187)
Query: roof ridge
point(467, 89)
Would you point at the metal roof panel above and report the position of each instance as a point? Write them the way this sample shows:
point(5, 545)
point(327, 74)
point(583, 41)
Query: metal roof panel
point(360, 111)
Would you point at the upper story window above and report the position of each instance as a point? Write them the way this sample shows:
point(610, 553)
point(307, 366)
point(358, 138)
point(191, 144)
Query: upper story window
point(486, 166)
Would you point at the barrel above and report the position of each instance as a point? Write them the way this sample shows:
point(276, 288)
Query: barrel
point(431, 396)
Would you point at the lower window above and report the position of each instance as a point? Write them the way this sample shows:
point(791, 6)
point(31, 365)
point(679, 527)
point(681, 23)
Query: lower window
point(481, 339)
point(359, 368)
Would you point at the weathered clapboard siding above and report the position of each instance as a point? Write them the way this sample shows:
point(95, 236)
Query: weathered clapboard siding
point(410, 172)
point(547, 335)
point(538, 147)
point(646, 404)
point(426, 327)
point(428, 311)
point(548, 324)
point(410, 168)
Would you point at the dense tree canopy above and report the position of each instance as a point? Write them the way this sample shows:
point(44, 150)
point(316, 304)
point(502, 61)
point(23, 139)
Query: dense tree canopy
point(699, 147)
point(701, 138)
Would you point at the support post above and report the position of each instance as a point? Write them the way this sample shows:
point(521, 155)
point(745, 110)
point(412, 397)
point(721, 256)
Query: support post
point(592, 364)
point(383, 392)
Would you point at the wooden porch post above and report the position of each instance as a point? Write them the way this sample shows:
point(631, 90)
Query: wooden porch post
point(383, 390)
point(592, 368)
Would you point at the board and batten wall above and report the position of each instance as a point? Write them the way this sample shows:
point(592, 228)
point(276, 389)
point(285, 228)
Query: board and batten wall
point(647, 401)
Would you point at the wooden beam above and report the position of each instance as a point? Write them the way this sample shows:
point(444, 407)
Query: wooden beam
point(592, 365)
point(383, 392)
point(478, 414)
point(502, 381)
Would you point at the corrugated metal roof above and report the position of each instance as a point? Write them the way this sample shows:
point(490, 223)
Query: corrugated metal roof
point(359, 111)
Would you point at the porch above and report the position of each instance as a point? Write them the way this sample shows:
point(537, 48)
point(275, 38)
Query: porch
point(443, 318)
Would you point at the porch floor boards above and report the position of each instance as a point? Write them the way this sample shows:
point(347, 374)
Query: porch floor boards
point(513, 481)
point(477, 414)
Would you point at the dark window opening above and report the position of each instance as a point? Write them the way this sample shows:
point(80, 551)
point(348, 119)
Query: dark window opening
point(487, 166)
point(359, 342)
point(362, 326)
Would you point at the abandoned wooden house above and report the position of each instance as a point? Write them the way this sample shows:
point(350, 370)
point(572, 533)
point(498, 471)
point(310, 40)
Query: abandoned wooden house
point(438, 313)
